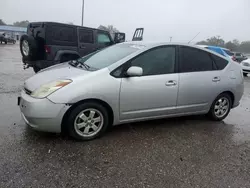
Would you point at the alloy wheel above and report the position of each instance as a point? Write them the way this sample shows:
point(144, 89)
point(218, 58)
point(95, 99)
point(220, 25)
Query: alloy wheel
point(88, 122)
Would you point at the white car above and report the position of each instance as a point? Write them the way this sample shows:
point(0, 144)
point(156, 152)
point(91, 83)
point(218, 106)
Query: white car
point(245, 64)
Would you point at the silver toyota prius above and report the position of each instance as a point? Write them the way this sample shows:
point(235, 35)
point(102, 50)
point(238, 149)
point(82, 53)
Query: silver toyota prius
point(130, 82)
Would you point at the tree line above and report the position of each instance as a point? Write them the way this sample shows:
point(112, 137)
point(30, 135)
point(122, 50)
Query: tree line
point(234, 45)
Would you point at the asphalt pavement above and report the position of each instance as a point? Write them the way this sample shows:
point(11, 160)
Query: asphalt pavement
point(176, 152)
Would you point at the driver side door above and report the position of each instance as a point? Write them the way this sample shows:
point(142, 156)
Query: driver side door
point(154, 94)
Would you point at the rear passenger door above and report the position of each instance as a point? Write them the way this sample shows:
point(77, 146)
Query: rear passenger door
point(199, 80)
point(103, 39)
point(86, 43)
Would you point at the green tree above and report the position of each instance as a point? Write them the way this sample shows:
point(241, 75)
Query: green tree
point(245, 46)
point(213, 41)
point(21, 23)
point(231, 45)
point(109, 28)
point(2, 22)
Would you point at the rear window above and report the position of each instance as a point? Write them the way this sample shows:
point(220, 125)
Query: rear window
point(108, 56)
point(219, 62)
point(228, 52)
point(238, 54)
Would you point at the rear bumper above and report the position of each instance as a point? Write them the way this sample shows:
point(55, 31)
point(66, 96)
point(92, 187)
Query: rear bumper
point(39, 63)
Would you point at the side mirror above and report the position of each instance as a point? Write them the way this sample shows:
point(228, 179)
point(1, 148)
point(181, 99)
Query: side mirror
point(134, 71)
point(119, 37)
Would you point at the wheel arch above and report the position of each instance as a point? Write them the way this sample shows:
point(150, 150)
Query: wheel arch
point(73, 106)
point(61, 53)
point(230, 93)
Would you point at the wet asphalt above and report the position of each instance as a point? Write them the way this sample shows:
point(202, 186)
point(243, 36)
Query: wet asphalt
point(177, 152)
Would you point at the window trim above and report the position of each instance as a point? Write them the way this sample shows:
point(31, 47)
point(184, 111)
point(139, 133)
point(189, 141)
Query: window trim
point(127, 64)
point(214, 67)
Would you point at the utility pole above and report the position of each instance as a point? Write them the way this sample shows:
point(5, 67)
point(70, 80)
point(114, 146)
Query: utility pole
point(82, 11)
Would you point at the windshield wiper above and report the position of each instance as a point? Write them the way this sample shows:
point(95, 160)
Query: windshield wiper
point(76, 63)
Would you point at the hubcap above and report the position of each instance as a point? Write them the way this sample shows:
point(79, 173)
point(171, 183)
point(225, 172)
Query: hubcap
point(88, 122)
point(25, 47)
point(221, 107)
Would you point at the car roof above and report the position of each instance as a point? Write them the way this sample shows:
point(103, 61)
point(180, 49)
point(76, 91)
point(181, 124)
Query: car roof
point(154, 44)
point(64, 24)
point(148, 44)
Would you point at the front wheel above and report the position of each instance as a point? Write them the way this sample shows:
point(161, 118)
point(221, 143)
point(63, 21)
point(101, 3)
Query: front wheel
point(220, 107)
point(244, 74)
point(88, 121)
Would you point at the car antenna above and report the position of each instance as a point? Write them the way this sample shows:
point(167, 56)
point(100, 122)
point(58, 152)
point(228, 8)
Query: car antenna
point(194, 37)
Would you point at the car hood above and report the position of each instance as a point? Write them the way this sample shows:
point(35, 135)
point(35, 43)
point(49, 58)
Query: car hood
point(62, 71)
point(246, 60)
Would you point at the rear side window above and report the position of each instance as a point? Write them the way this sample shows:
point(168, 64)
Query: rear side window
point(103, 38)
point(61, 35)
point(194, 60)
point(86, 36)
point(219, 62)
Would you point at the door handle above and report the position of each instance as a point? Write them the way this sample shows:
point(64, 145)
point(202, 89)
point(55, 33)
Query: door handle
point(216, 79)
point(171, 83)
point(82, 47)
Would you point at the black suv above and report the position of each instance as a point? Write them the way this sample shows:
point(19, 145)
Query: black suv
point(49, 43)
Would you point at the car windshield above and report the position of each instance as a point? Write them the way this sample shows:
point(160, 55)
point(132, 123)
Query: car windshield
point(108, 56)
point(229, 52)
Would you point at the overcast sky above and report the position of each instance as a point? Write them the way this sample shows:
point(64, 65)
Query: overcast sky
point(181, 19)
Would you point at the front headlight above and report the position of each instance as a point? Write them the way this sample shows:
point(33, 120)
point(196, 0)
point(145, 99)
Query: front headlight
point(47, 89)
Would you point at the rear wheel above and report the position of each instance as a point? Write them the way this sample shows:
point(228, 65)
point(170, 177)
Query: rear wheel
point(220, 107)
point(88, 121)
point(28, 47)
point(245, 74)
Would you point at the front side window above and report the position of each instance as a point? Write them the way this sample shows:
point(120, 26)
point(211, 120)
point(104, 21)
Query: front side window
point(157, 61)
point(194, 60)
point(103, 38)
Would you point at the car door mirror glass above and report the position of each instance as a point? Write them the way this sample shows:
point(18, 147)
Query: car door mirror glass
point(134, 71)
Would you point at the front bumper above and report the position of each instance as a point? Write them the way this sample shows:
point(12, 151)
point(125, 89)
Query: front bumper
point(245, 69)
point(42, 114)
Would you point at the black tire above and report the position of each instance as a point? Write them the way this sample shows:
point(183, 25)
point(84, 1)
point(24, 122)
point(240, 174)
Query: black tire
point(80, 108)
point(36, 69)
point(245, 74)
point(211, 112)
point(14, 42)
point(32, 47)
point(5, 42)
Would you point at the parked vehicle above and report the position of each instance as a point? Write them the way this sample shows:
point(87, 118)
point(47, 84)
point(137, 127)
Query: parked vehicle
point(5, 38)
point(245, 64)
point(216, 49)
point(49, 43)
point(239, 56)
point(222, 51)
point(130, 82)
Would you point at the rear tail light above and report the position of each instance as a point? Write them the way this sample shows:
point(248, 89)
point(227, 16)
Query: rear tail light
point(234, 59)
point(47, 49)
